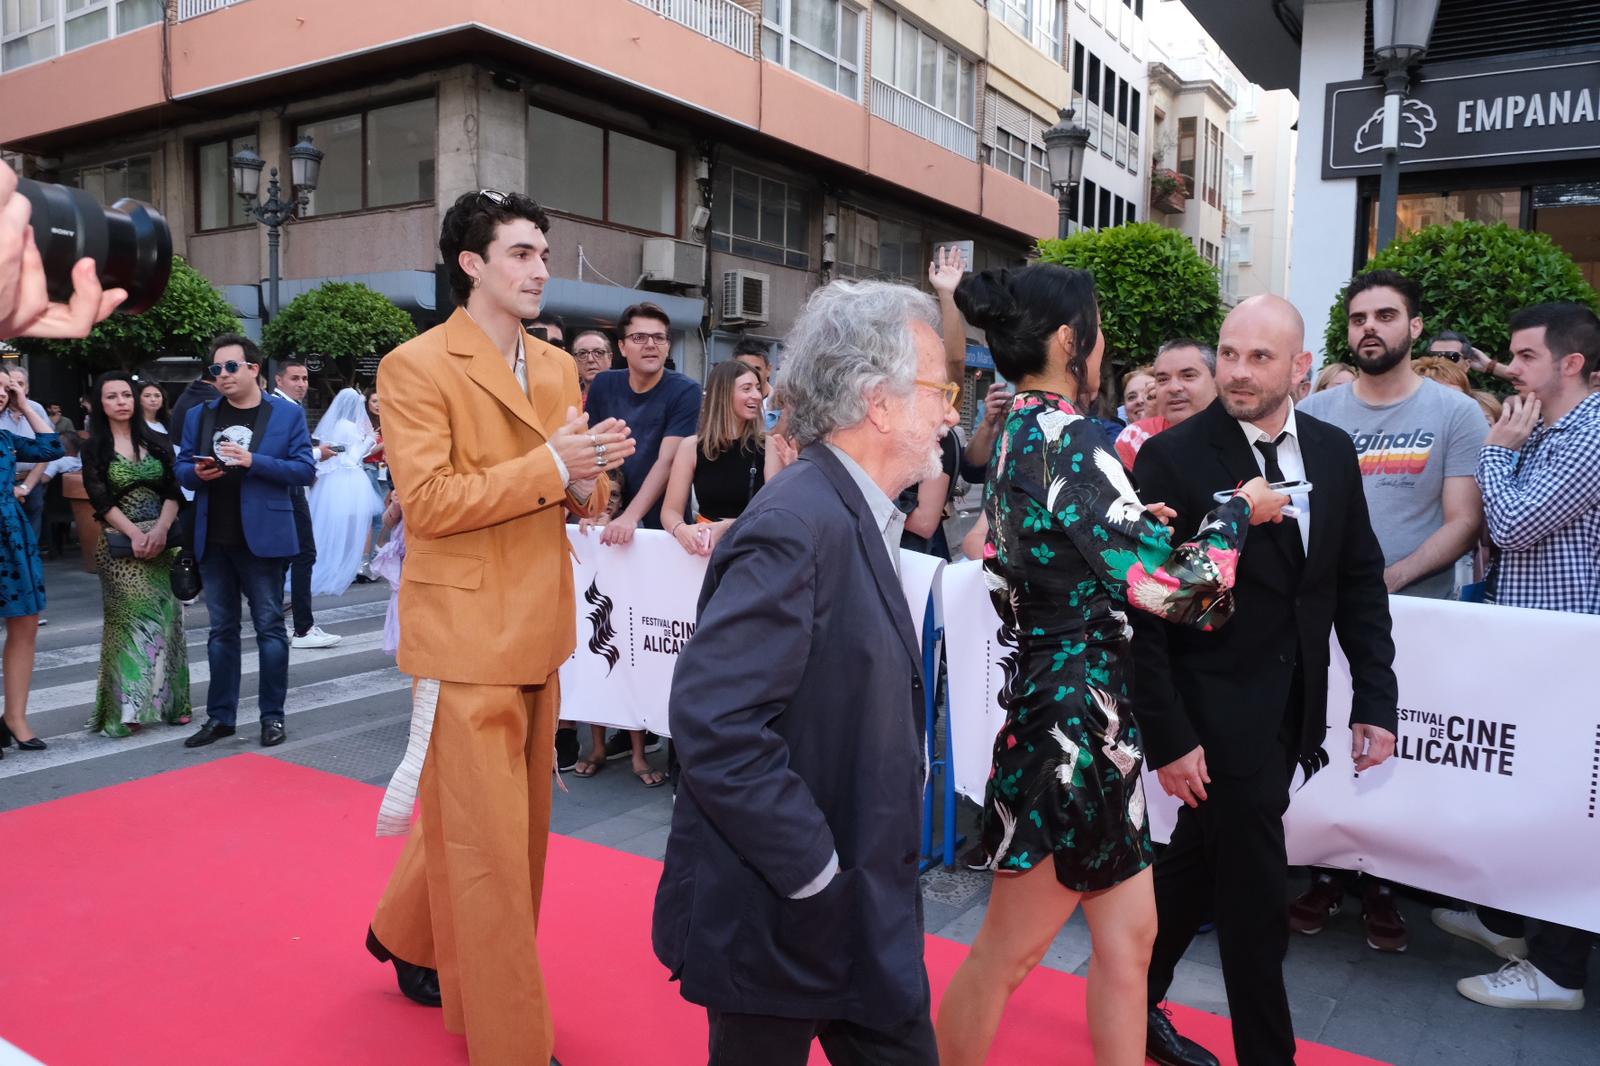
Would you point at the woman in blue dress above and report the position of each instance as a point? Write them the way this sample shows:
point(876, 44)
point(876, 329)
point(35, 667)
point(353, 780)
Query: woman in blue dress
point(21, 572)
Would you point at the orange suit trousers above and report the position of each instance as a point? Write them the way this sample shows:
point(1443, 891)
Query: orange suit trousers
point(464, 898)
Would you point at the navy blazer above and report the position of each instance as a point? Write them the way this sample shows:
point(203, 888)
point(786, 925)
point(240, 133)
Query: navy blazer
point(797, 713)
point(281, 461)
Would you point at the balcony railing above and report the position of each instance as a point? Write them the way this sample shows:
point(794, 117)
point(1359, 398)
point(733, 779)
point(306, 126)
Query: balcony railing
point(721, 20)
point(929, 123)
point(188, 9)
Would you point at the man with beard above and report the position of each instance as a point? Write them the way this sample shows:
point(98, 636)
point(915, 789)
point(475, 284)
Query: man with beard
point(1418, 442)
point(1227, 715)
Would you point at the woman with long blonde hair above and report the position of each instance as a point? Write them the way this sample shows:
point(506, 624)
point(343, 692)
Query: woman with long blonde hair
point(725, 464)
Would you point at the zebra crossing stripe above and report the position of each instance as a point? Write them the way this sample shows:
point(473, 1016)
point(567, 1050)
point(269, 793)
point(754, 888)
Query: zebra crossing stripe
point(82, 746)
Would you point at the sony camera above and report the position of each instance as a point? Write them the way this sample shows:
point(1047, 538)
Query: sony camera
point(130, 242)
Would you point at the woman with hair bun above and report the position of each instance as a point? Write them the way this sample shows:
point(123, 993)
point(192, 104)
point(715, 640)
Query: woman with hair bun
point(1070, 548)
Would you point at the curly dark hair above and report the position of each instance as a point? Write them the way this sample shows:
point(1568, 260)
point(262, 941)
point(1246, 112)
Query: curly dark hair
point(470, 225)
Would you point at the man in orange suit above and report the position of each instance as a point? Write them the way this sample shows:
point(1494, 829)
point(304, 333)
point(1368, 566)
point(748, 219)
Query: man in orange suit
point(489, 453)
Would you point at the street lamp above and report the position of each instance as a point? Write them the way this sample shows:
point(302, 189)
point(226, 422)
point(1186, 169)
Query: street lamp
point(1064, 144)
point(305, 166)
point(1400, 32)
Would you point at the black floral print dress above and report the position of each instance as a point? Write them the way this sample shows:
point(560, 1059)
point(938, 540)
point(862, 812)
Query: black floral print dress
point(1070, 547)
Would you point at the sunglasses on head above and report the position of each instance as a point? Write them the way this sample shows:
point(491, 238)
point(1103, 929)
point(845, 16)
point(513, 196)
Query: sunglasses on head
point(232, 366)
point(1454, 357)
point(499, 199)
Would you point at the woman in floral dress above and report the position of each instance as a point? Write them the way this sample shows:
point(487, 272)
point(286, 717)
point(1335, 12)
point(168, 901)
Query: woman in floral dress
point(127, 473)
point(1070, 549)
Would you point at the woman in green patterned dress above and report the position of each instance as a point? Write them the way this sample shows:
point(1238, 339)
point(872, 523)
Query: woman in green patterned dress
point(1071, 552)
point(127, 472)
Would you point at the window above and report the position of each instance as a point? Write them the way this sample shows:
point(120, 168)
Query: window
point(1016, 140)
point(760, 218)
point(1213, 166)
point(1094, 78)
point(1186, 147)
point(1014, 13)
point(922, 66)
point(1091, 203)
point(1249, 178)
point(1135, 110)
point(1105, 207)
point(582, 169)
point(34, 29)
point(217, 206)
point(1077, 68)
point(1209, 252)
point(111, 181)
point(1242, 247)
point(374, 158)
point(1050, 19)
point(871, 246)
point(820, 39)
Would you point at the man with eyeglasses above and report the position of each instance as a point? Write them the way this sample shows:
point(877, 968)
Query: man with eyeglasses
point(244, 454)
point(591, 350)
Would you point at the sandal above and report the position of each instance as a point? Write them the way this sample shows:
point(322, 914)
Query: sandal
point(589, 767)
point(650, 778)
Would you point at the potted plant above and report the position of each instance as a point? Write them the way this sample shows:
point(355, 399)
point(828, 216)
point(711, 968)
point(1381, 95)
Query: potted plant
point(1168, 190)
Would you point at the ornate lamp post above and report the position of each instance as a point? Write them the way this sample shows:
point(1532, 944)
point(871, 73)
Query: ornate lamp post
point(1064, 144)
point(1400, 32)
point(305, 166)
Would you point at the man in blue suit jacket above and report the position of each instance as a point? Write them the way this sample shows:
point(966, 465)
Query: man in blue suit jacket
point(243, 454)
point(789, 905)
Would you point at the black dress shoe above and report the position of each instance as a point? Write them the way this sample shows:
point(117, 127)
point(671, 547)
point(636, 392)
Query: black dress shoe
point(1165, 1045)
point(6, 737)
point(419, 983)
point(210, 733)
point(273, 733)
point(31, 745)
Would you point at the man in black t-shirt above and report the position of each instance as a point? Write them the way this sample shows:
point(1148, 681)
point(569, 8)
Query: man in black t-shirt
point(243, 453)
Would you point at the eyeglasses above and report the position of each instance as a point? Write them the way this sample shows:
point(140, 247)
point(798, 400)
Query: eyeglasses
point(499, 199)
point(232, 366)
point(952, 391)
point(644, 339)
point(1454, 357)
point(591, 353)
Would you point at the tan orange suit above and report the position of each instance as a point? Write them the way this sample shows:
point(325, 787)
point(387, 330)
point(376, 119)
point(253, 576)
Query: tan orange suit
point(486, 610)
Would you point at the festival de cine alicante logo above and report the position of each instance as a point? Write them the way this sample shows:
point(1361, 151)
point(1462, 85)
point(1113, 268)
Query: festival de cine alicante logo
point(661, 636)
point(1475, 745)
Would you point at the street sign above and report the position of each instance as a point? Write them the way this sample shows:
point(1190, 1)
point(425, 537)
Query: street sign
point(1500, 110)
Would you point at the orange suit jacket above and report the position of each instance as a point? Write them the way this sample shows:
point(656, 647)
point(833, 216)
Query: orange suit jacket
point(486, 593)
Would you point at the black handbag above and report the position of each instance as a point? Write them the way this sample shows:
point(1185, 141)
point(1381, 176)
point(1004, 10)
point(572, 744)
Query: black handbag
point(119, 545)
point(185, 575)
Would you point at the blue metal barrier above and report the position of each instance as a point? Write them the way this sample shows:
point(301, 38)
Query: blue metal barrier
point(941, 766)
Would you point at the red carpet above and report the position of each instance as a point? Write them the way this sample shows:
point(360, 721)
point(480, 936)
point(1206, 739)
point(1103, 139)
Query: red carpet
point(216, 915)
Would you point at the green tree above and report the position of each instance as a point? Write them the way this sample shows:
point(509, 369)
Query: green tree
point(340, 321)
point(1474, 277)
point(1153, 286)
point(182, 323)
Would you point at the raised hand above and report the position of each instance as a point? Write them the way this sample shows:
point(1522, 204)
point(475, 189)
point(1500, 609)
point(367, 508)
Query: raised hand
point(589, 451)
point(946, 270)
point(1265, 505)
point(1517, 419)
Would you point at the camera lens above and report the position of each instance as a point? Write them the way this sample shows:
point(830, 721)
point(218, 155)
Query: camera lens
point(129, 242)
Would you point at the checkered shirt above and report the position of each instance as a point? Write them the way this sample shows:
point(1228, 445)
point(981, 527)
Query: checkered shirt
point(1542, 506)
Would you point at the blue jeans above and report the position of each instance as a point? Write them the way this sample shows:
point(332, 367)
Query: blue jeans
point(229, 573)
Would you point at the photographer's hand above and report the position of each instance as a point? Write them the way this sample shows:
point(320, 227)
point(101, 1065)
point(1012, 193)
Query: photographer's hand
point(25, 307)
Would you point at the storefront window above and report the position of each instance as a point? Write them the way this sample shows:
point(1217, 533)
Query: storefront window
point(1417, 210)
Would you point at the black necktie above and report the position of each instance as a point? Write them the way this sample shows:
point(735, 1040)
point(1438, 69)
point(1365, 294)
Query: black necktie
point(1269, 451)
point(1289, 529)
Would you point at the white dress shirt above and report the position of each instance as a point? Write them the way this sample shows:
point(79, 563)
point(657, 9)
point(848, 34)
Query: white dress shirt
point(1291, 462)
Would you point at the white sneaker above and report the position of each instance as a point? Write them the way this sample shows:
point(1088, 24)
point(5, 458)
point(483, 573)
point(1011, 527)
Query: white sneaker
point(1468, 926)
point(315, 637)
point(1520, 984)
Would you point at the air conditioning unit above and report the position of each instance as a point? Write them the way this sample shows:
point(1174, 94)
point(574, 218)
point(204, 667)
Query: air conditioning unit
point(746, 297)
point(670, 262)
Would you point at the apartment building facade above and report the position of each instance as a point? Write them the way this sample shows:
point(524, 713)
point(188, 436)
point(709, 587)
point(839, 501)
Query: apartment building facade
point(1110, 87)
point(1264, 122)
point(720, 158)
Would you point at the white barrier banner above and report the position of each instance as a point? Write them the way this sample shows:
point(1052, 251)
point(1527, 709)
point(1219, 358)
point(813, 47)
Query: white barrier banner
point(636, 609)
point(1491, 798)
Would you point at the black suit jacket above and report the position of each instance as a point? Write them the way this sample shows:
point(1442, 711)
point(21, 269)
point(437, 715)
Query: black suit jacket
point(1228, 690)
point(797, 713)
